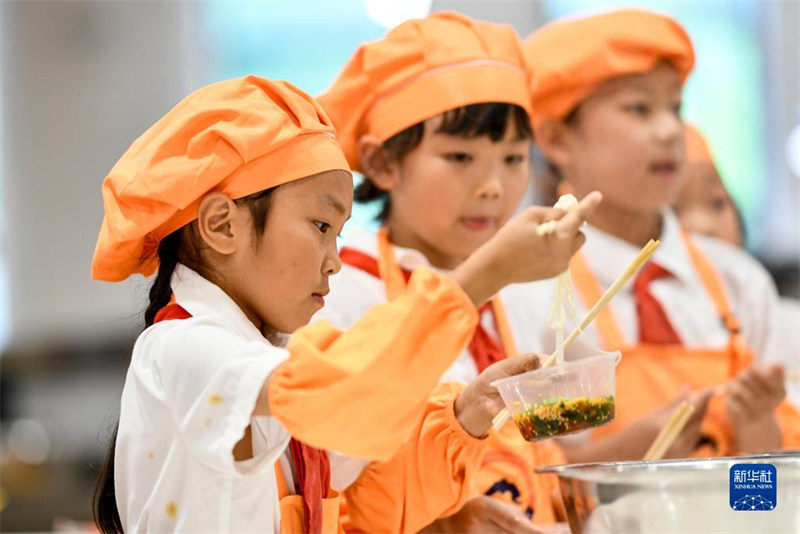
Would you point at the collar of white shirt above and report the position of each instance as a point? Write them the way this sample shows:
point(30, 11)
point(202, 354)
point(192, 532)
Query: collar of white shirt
point(200, 297)
point(610, 255)
point(364, 241)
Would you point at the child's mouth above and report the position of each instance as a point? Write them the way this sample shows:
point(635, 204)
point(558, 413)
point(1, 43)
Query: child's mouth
point(477, 223)
point(666, 169)
point(319, 298)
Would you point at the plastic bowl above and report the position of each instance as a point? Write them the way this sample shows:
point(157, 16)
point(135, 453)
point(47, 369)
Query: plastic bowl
point(562, 399)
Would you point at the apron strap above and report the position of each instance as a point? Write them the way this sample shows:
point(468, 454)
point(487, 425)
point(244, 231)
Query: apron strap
point(395, 278)
point(388, 269)
point(712, 281)
point(709, 276)
point(589, 290)
point(503, 327)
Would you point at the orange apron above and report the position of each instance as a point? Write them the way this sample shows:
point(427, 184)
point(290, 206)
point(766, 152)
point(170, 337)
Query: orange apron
point(649, 376)
point(291, 508)
point(508, 468)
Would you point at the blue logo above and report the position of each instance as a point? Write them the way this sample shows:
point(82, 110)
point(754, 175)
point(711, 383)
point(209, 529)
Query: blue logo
point(753, 487)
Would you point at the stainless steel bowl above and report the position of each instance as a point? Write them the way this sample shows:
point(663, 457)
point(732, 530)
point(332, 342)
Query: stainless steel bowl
point(673, 496)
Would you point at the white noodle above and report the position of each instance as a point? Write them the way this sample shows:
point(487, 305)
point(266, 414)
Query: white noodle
point(557, 315)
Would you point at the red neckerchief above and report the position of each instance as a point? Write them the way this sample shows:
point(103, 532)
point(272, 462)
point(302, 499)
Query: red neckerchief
point(654, 325)
point(484, 349)
point(311, 465)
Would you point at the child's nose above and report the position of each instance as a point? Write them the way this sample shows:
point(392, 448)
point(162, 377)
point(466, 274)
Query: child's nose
point(332, 263)
point(669, 128)
point(491, 187)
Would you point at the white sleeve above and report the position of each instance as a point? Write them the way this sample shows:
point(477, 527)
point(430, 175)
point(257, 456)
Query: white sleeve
point(753, 296)
point(760, 320)
point(756, 301)
point(345, 470)
point(211, 379)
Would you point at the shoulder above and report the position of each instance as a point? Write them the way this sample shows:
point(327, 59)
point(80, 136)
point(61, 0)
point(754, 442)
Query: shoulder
point(199, 341)
point(740, 271)
point(189, 334)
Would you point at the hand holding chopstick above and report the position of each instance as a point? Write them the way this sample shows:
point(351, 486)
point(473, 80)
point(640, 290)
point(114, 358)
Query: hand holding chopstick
point(682, 429)
point(634, 267)
point(670, 431)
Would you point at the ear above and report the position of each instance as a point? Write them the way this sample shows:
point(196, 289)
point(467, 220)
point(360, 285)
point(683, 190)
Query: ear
point(555, 140)
point(382, 170)
point(220, 223)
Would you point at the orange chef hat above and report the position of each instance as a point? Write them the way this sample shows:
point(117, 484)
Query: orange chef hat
point(570, 57)
point(238, 137)
point(697, 150)
point(420, 69)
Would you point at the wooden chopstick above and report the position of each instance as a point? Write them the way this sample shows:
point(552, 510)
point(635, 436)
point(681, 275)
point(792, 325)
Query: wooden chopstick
point(638, 262)
point(673, 418)
point(680, 416)
point(613, 289)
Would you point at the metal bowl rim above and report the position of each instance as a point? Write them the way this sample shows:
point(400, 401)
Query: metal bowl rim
point(591, 470)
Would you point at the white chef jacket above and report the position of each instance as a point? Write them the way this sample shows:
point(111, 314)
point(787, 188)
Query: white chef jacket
point(188, 398)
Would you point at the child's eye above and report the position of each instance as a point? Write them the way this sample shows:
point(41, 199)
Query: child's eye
point(677, 108)
point(322, 226)
point(458, 157)
point(514, 159)
point(639, 108)
point(718, 204)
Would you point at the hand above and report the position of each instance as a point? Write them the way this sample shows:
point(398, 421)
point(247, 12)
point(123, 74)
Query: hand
point(484, 515)
point(685, 443)
point(477, 405)
point(750, 400)
point(516, 253)
point(524, 256)
point(633, 441)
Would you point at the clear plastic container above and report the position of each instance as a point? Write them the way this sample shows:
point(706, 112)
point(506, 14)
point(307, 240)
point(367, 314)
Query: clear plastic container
point(562, 399)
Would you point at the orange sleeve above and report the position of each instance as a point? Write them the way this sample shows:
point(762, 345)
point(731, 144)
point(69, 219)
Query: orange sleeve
point(430, 477)
point(716, 428)
point(508, 472)
point(715, 431)
point(788, 418)
point(361, 392)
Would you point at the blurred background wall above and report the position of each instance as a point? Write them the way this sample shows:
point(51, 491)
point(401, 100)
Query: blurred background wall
point(81, 80)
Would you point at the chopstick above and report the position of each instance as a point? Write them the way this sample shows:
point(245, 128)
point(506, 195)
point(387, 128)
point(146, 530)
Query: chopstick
point(637, 263)
point(680, 416)
point(679, 419)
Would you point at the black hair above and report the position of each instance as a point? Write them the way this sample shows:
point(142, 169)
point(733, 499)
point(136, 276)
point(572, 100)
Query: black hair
point(476, 120)
point(181, 246)
point(547, 184)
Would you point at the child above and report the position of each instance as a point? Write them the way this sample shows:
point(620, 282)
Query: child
point(435, 116)
point(704, 205)
point(235, 197)
point(606, 114)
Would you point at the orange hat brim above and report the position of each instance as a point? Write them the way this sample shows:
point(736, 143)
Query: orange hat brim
point(451, 87)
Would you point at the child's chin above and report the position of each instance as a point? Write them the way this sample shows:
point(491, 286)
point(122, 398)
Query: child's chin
point(299, 320)
point(476, 241)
